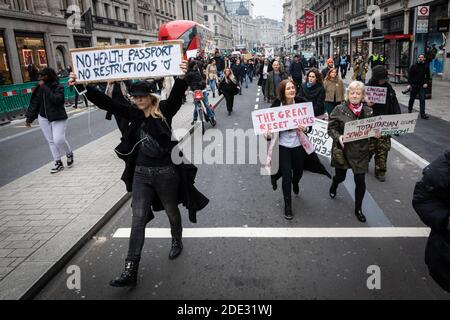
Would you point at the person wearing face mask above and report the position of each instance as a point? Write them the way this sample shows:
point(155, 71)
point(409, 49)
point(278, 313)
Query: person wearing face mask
point(419, 80)
point(352, 155)
point(47, 105)
point(273, 81)
point(380, 147)
point(294, 155)
point(150, 174)
point(313, 91)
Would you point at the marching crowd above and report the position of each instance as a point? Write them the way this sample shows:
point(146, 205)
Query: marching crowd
point(146, 146)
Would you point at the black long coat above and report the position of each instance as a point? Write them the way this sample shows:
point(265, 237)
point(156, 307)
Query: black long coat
point(432, 203)
point(47, 101)
point(189, 196)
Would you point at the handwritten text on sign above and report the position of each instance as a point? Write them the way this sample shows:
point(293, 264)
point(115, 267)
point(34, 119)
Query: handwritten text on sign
point(376, 94)
point(152, 60)
point(320, 139)
point(283, 118)
point(386, 125)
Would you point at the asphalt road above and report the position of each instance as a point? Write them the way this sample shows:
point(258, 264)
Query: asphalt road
point(23, 150)
point(237, 268)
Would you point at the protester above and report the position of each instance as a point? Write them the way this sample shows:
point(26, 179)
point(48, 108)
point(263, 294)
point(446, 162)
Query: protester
point(334, 90)
point(418, 82)
point(229, 87)
point(313, 91)
point(343, 64)
point(297, 71)
point(352, 155)
point(273, 81)
point(432, 203)
point(33, 72)
point(292, 156)
point(360, 70)
point(380, 147)
point(239, 72)
point(263, 73)
point(212, 77)
point(220, 63)
point(330, 65)
point(149, 171)
point(47, 105)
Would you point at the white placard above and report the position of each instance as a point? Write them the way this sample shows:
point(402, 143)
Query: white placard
point(386, 125)
point(270, 52)
point(376, 94)
point(283, 118)
point(150, 60)
point(320, 139)
point(191, 54)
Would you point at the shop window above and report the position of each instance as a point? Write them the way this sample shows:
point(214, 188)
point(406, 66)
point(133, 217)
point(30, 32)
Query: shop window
point(5, 74)
point(60, 60)
point(103, 42)
point(32, 55)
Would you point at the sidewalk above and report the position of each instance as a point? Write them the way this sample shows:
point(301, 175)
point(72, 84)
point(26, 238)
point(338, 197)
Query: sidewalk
point(44, 218)
point(439, 104)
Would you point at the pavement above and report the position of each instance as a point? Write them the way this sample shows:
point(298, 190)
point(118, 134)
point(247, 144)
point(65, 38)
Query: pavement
point(45, 219)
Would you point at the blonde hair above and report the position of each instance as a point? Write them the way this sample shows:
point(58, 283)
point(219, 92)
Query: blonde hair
point(155, 111)
point(355, 85)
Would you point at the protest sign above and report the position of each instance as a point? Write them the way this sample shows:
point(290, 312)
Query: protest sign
point(376, 94)
point(191, 54)
point(150, 60)
point(385, 125)
point(270, 52)
point(210, 47)
point(283, 118)
point(248, 56)
point(320, 139)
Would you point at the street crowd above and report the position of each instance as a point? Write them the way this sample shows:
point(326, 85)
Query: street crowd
point(145, 121)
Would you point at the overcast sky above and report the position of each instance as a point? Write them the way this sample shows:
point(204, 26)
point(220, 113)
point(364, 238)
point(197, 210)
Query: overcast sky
point(269, 8)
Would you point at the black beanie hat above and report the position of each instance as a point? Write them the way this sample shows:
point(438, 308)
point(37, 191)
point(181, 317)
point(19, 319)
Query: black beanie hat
point(379, 73)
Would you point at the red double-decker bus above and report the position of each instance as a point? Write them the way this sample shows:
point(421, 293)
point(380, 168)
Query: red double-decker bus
point(195, 35)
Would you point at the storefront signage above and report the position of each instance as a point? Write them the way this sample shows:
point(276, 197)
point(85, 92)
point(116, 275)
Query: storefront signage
point(423, 13)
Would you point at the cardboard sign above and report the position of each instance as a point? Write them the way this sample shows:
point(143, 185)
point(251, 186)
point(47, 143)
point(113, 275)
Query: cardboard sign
point(270, 52)
point(376, 94)
point(210, 47)
point(150, 60)
point(283, 118)
point(248, 56)
point(386, 125)
point(320, 139)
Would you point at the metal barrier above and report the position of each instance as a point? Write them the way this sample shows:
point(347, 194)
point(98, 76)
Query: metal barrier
point(15, 99)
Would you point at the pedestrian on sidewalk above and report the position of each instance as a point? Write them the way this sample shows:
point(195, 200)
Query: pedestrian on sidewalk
point(418, 82)
point(334, 90)
point(47, 105)
point(297, 71)
point(150, 174)
point(352, 155)
point(295, 153)
point(273, 81)
point(212, 77)
point(313, 91)
point(229, 88)
point(263, 73)
point(432, 203)
point(380, 147)
point(330, 65)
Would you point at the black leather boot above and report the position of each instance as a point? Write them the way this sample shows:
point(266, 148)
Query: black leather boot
point(128, 278)
point(360, 216)
point(333, 190)
point(273, 180)
point(288, 208)
point(177, 247)
point(296, 188)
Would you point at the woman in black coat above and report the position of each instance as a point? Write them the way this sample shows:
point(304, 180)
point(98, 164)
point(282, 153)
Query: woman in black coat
point(313, 91)
point(292, 155)
point(150, 172)
point(432, 203)
point(229, 87)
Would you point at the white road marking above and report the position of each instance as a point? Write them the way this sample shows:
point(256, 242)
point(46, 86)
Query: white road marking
point(258, 94)
point(410, 155)
point(283, 233)
point(256, 106)
point(257, 99)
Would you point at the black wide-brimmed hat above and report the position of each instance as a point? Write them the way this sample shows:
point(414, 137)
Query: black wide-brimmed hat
point(141, 89)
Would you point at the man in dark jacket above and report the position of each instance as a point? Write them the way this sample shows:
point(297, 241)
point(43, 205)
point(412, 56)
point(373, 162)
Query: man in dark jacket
point(380, 147)
point(330, 65)
point(220, 64)
point(297, 71)
point(195, 81)
point(239, 72)
point(432, 203)
point(419, 80)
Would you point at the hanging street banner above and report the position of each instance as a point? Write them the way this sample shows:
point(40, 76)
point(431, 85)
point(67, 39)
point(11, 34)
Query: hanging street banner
point(300, 27)
point(320, 139)
point(309, 18)
point(115, 63)
point(283, 118)
point(397, 124)
point(376, 94)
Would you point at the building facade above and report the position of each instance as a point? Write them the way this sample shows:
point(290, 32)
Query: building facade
point(217, 19)
point(190, 10)
point(344, 26)
point(269, 32)
point(234, 5)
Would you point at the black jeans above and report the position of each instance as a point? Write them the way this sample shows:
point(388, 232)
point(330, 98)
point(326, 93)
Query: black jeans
point(149, 182)
point(360, 185)
point(421, 91)
point(343, 70)
point(291, 167)
point(229, 98)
